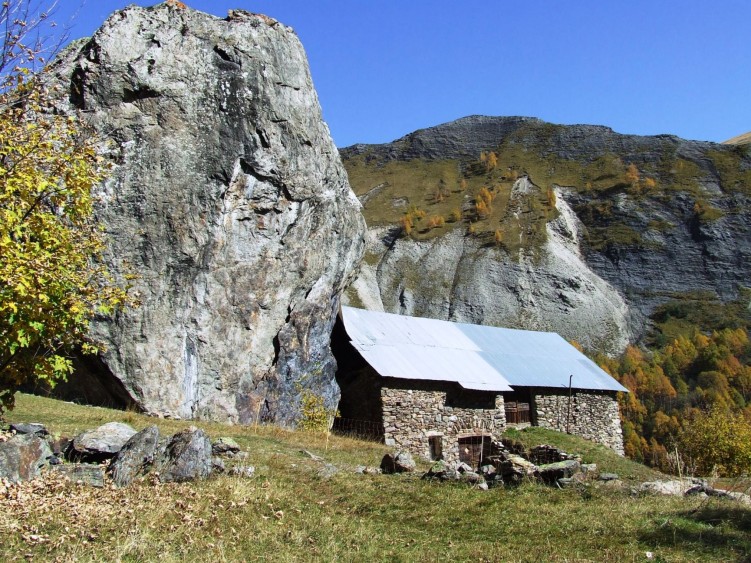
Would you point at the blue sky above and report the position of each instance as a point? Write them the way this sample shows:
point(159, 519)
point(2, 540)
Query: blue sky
point(385, 68)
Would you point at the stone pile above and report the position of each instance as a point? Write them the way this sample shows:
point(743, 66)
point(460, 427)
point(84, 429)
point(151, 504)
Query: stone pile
point(117, 452)
point(513, 465)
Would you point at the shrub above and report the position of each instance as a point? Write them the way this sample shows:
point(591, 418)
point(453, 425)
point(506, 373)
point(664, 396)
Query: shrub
point(315, 416)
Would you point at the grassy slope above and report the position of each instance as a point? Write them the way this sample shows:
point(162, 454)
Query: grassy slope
point(287, 512)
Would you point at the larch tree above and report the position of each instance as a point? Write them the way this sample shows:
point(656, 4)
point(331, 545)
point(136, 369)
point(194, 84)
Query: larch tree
point(51, 281)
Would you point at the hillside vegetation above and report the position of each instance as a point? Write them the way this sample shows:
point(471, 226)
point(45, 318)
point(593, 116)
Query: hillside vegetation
point(289, 512)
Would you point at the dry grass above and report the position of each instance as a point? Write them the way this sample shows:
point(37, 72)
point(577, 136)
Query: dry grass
point(287, 512)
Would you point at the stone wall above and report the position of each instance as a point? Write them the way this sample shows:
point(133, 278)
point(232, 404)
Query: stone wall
point(594, 416)
point(415, 411)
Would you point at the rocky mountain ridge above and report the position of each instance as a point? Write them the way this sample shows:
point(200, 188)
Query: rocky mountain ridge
point(609, 250)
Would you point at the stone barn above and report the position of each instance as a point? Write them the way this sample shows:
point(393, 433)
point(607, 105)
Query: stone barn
point(445, 390)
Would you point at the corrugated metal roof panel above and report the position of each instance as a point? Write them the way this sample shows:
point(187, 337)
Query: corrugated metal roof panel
point(475, 356)
point(410, 361)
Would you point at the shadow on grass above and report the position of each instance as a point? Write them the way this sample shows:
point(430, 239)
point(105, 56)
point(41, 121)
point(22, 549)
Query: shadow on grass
point(711, 526)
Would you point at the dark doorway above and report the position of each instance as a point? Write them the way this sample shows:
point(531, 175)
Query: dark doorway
point(473, 449)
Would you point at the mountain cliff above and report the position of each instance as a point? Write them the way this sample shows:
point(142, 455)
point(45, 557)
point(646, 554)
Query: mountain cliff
point(227, 200)
point(577, 229)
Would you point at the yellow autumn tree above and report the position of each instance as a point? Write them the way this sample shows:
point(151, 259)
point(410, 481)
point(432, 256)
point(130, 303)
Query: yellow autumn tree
point(632, 174)
point(491, 161)
point(51, 283)
point(498, 237)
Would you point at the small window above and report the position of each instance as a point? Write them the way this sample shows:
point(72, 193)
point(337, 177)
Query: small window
point(436, 447)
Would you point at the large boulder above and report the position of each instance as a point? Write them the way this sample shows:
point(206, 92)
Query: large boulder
point(187, 457)
point(22, 457)
point(136, 456)
point(101, 443)
point(229, 201)
point(399, 462)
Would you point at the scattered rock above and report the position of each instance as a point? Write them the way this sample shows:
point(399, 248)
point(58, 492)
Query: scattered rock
point(311, 455)
point(225, 446)
point(136, 457)
point(743, 498)
point(589, 469)
point(514, 469)
point(34, 428)
point(188, 456)
point(673, 487)
point(246, 471)
point(462, 467)
point(471, 477)
point(442, 471)
point(101, 443)
point(402, 462)
point(22, 457)
point(328, 471)
point(85, 473)
point(608, 477)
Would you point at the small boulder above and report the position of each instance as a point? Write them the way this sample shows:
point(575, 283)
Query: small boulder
point(34, 428)
point(85, 473)
point(225, 446)
point(402, 462)
point(187, 456)
point(328, 471)
point(551, 472)
point(22, 457)
point(462, 467)
point(136, 457)
point(674, 487)
point(101, 443)
point(589, 469)
point(471, 477)
point(442, 471)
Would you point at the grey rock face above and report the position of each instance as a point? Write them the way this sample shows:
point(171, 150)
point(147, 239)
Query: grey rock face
point(22, 457)
point(228, 200)
point(471, 283)
point(187, 457)
point(101, 443)
point(136, 456)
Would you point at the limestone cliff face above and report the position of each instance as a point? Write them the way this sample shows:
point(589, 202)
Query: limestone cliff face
point(607, 256)
point(228, 200)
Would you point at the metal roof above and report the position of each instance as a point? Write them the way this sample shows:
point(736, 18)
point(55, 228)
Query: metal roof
point(474, 356)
